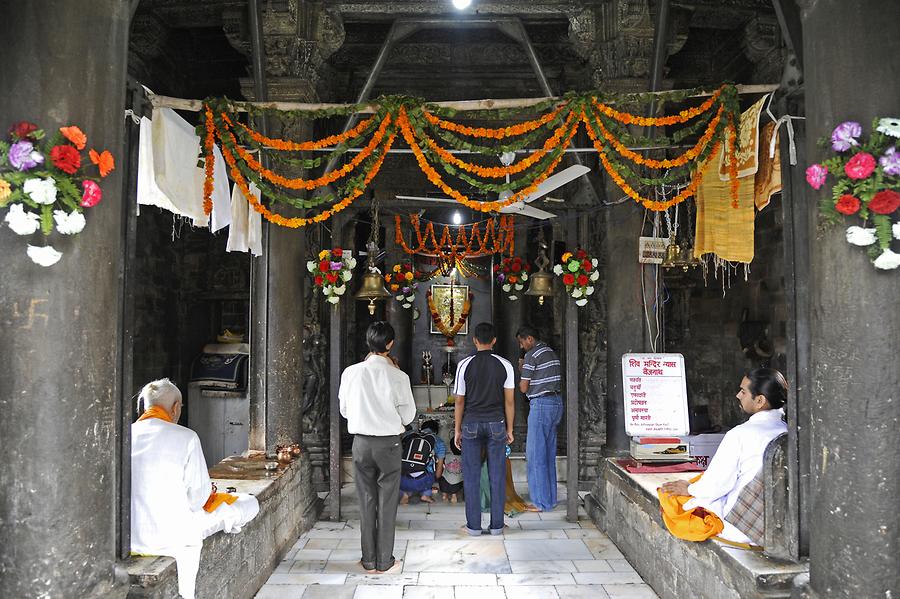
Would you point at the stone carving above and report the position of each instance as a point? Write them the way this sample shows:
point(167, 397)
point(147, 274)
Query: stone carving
point(314, 406)
point(762, 44)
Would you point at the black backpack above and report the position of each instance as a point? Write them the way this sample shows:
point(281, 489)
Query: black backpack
point(418, 449)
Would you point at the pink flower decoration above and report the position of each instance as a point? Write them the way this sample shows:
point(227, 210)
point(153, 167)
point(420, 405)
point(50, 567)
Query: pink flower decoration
point(860, 166)
point(92, 194)
point(815, 176)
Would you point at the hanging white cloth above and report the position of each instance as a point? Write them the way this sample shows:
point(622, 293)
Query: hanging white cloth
point(245, 234)
point(168, 153)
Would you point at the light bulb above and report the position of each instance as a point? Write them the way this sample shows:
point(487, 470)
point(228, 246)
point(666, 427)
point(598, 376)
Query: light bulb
point(457, 218)
point(461, 4)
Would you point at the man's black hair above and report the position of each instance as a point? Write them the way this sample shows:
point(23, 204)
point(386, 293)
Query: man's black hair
point(378, 336)
point(525, 332)
point(484, 333)
point(433, 425)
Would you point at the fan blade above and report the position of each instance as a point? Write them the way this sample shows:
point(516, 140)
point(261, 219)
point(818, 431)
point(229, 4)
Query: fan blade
point(523, 209)
point(427, 199)
point(558, 180)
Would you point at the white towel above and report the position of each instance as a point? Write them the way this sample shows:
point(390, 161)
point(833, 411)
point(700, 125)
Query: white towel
point(245, 233)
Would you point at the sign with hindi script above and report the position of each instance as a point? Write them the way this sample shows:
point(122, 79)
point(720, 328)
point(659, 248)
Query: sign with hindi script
point(655, 395)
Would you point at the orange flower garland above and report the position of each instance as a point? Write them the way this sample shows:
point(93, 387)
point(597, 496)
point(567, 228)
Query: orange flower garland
point(682, 117)
point(325, 179)
point(492, 242)
point(671, 162)
point(735, 185)
point(331, 140)
point(435, 178)
point(208, 163)
point(441, 325)
point(500, 172)
point(498, 133)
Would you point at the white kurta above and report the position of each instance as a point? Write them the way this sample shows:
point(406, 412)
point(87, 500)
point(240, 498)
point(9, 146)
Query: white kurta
point(169, 485)
point(376, 398)
point(737, 461)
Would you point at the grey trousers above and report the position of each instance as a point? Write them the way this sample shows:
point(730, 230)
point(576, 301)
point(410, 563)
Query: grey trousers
point(376, 465)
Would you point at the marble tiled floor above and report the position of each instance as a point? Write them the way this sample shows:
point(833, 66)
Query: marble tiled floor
point(539, 556)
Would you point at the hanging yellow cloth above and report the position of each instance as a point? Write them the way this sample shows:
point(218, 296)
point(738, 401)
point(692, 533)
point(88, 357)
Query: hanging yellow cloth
point(155, 412)
point(722, 229)
point(692, 525)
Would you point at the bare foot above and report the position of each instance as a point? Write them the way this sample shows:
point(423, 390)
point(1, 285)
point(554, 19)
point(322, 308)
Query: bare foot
point(532, 508)
point(367, 570)
point(404, 499)
point(454, 498)
point(395, 569)
point(443, 497)
point(426, 499)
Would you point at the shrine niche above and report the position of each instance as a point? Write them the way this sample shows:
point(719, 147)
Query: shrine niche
point(447, 309)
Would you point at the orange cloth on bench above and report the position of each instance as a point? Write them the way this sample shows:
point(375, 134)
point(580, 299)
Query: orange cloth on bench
point(155, 412)
point(217, 499)
point(691, 525)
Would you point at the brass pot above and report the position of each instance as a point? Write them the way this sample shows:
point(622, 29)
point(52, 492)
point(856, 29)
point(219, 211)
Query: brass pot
point(285, 455)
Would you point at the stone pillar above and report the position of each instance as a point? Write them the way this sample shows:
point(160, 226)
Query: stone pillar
point(60, 392)
point(854, 323)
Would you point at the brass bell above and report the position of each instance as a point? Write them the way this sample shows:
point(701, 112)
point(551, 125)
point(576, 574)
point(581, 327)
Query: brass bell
point(372, 289)
point(541, 285)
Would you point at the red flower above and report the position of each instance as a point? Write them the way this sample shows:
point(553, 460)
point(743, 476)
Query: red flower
point(324, 265)
point(23, 130)
point(860, 166)
point(65, 158)
point(568, 279)
point(582, 280)
point(527, 267)
point(847, 204)
point(92, 194)
point(332, 277)
point(586, 265)
point(885, 202)
point(318, 279)
point(496, 267)
point(516, 267)
point(513, 279)
point(337, 253)
point(581, 254)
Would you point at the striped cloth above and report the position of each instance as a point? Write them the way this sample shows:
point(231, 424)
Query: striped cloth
point(541, 368)
point(749, 513)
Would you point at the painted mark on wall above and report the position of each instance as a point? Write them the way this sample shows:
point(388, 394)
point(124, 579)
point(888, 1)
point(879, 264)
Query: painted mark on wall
point(26, 313)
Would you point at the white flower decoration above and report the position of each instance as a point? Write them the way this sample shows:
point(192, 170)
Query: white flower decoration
point(326, 290)
point(410, 298)
point(351, 262)
point(513, 298)
point(21, 221)
point(399, 298)
point(889, 126)
point(896, 230)
point(43, 255)
point(888, 260)
point(333, 299)
point(861, 237)
point(595, 275)
point(69, 223)
point(589, 291)
point(594, 262)
point(346, 275)
point(558, 269)
point(340, 290)
point(311, 265)
point(577, 292)
point(407, 306)
point(581, 302)
point(42, 191)
point(506, 288)
point(519, 287)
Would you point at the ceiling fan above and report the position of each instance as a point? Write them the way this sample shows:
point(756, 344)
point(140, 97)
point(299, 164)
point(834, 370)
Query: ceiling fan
point(522, 208)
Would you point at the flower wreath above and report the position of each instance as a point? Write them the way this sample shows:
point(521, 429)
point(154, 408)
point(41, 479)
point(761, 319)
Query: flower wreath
point(512, 274)
point(49, 176)
point(866, 186)
point(578, 271)
point(449, 332)
point(403, 281)
point(331, 272)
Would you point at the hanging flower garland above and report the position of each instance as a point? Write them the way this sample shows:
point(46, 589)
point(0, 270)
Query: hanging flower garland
point(331, 272)
point(496, 239)
point(512, 275)
point(867, 185)
point(578, 272)
point(449, 331)
point(45, 185)
point(403, 281)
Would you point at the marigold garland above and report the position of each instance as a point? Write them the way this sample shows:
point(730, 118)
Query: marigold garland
point(208, 161)
point(495, 240)
point(291, 146)
point(682, 117)
point(494, 133)
point(441, 325)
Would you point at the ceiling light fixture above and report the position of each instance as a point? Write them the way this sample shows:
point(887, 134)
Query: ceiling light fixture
point(461, 4)
point(457, 218)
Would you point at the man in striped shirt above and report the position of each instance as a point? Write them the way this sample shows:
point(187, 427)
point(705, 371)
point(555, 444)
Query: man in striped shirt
point(540, 381)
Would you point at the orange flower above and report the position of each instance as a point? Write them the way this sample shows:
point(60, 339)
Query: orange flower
point(280, 144)
point(75, 135)
point(499, 133)
point(682, 117)
point(104, 161)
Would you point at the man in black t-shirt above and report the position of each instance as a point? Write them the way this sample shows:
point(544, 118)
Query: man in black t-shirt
point(484, 390)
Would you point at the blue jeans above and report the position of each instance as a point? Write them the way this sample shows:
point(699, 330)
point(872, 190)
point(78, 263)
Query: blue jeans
point(475, 436)
point(420, 485)
point(540, 449)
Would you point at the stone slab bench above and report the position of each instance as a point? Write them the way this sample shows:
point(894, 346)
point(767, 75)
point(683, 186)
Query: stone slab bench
point(626, 507)
point(237, 565)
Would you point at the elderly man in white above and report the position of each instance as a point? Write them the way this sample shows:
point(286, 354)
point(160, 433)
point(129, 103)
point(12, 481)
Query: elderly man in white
point(174, 506)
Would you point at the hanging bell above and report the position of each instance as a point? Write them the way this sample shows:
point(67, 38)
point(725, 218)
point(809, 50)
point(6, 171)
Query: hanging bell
point(541, 285)
point(372, 289)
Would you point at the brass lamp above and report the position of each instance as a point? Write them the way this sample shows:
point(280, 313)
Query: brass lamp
point(542, 281)
point(679, 256)
point(372, 287)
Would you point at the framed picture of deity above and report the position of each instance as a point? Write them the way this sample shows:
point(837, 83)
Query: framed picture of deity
point(447, 304)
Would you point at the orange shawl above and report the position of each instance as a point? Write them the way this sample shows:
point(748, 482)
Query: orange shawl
point(695, 524)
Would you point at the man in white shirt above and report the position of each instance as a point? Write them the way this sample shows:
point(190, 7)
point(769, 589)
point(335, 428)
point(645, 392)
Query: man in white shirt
point(170, 487)
point(377, 401)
